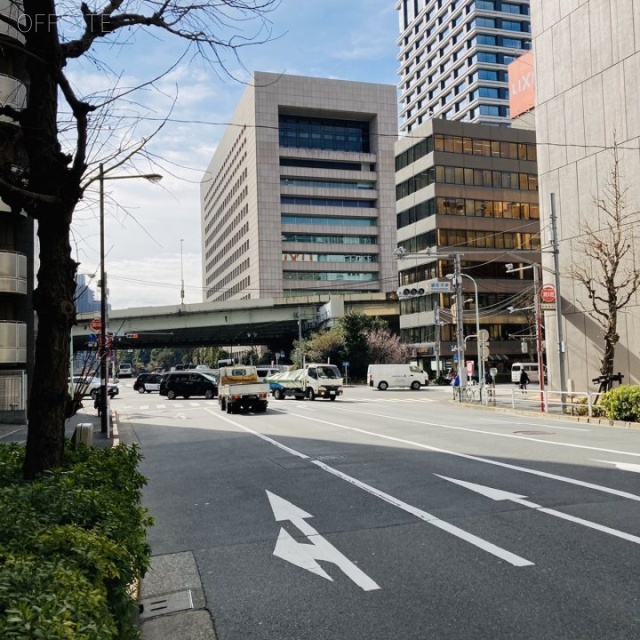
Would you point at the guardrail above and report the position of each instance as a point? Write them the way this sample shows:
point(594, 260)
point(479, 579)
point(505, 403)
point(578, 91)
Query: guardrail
point(577, 403)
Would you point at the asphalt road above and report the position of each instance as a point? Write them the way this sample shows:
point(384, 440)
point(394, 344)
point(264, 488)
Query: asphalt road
point(396, 514)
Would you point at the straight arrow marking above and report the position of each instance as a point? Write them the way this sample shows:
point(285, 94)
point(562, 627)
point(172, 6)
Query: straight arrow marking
point(305, 555)
point(498, 495)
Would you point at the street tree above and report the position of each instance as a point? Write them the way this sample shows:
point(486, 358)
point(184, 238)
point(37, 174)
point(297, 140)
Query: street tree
point(47, 161)
point(325, 346)
point(607, 267)
point(385, 347)
point(355, 327)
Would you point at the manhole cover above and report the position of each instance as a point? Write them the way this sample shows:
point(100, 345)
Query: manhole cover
point(535, 433)
point(170, 603)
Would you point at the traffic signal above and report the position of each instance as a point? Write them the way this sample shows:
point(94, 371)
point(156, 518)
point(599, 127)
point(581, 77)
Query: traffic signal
point(411, 291)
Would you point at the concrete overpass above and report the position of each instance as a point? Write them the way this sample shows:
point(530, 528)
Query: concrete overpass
point(267, 321)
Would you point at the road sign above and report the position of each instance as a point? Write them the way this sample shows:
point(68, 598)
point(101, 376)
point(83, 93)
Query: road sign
point(547, 306)
point(345, 364)
point(437, 285)
point(104, 353)
point(483, 336)
point(484, 352)
point(95, 325)
point(104, 341)
point(548, 293)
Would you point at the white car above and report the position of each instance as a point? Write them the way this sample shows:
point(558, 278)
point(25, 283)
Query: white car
point(89, 386)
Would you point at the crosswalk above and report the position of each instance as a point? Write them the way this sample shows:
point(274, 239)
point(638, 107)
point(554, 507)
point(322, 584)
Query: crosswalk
point(209, 403)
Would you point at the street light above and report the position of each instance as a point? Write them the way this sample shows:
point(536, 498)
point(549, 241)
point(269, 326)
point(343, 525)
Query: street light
point(538, 315)
point(181, 276)
point(452, 276)
point(104, 361)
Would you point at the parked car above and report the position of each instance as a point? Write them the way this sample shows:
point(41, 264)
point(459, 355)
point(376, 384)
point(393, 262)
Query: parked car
point(187, 384)
point(147, 382)
point(90, 385)
point(264, 372)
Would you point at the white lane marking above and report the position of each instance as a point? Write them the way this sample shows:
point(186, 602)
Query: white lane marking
point(305, 555)
point(623, 466)
point(9, 433)
point(161, 406)
point(504, 465)
point(503, 554)
point(490, 433)
point(534, 424)
point(499, 495)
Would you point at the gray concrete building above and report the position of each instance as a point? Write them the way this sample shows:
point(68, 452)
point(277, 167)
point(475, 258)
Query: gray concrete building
point(299, 196)
point(453, 58)
point(587, 63)
point(469, 189)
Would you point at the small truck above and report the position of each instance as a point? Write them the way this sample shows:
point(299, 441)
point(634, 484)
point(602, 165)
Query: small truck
point(311, 382)
point(239, 390)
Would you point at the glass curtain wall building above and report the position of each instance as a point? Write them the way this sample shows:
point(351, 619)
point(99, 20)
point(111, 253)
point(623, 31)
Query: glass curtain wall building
point(453, 58)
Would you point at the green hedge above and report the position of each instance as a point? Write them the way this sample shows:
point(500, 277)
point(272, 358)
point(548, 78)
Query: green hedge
point(622, 403)
point(71, 545)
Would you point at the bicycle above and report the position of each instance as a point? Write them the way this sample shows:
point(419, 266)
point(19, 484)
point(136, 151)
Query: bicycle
point(469, 393)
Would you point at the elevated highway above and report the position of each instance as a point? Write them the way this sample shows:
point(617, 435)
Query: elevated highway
point(267, 321)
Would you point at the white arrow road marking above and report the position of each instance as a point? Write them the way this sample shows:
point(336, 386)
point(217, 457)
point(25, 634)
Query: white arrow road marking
point(509, 557)
point(503, 554)
point(305, 555)
point(624, 466)
point(498, 495)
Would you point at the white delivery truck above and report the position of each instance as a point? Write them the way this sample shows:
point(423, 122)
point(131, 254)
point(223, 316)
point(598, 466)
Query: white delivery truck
point(385, 376)
point(313, 381)
point(239, 390)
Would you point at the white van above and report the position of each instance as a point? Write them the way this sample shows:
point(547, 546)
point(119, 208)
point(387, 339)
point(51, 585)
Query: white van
point(530, 367)
point(383, 376)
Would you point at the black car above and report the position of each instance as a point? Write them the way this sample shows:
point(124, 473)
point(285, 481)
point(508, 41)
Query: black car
point(187, 384)
point(147, 382)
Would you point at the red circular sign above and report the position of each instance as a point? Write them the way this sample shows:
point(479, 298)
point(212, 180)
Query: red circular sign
point(548, 293)
point(95, 325)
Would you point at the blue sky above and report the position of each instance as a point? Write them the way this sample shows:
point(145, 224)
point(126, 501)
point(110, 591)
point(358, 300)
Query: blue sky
point(145, 223)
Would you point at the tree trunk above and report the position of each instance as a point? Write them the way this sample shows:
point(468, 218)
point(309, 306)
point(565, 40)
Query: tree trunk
point(54, 304)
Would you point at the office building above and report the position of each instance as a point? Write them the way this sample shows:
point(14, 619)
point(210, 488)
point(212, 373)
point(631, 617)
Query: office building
point(298, 198)
point(587, 96)
point(16, 238)
point(469, 189)
point(453, 58)
point(85, 296)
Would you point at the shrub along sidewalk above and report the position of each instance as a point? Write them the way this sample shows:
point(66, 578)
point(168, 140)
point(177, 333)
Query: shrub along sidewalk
point(71, 544)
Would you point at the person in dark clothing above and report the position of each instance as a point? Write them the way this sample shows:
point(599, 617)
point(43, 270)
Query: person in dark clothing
point(524, 380)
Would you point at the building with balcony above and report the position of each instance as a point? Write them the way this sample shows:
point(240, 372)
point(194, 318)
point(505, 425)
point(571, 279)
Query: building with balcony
point(467, 189)
point(298, 198)
point(453, 58)
point(16, 238)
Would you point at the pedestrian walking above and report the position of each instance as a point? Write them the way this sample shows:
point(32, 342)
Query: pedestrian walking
point(524, 380)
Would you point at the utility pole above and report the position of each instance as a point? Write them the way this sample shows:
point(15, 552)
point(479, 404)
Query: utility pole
point(437, 318)
point(462, 370)
point(538, 313)
point(181, 276)
point(301, 364)
point(556, 269)
point(103, 349)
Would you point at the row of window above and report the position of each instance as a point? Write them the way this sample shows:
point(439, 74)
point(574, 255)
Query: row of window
point(328, 202)
point(468, 146)
point(325, 184)
point(328, 239)
point(467, 238)
point(326, 164)
point(468, 207)
point(329, 257)
point(467, 177)
point(301, 132)
point(328, 221)
point(330, 276)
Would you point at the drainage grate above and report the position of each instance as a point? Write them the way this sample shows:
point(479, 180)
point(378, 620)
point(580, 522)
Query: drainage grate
point(170, 603)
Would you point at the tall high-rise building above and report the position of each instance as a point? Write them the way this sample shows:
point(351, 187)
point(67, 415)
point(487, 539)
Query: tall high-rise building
point(454, 56)
point(299, 196)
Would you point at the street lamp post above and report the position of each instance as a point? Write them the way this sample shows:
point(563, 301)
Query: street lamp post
point(181, 276)
point(104, 350)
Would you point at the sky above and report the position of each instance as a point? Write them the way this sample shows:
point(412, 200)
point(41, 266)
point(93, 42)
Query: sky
point(152, 231)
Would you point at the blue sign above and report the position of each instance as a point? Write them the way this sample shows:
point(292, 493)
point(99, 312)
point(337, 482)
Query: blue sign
point(345, 364)
point(93, 337)
point(282, 354)
point(455, 358)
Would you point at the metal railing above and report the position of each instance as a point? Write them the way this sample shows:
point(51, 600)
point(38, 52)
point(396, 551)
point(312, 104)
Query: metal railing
point(13, 390)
